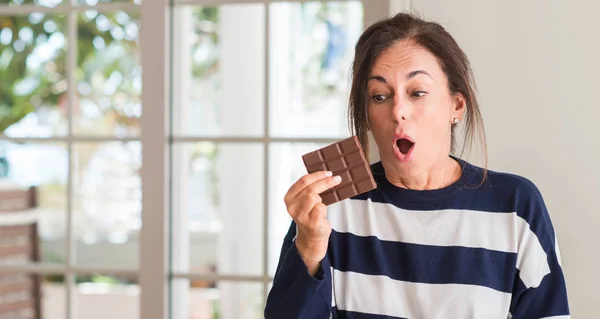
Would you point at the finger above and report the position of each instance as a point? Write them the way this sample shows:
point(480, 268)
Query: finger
point(323, 185)
point(318, 213)
point(303, 205)
point(304, 182)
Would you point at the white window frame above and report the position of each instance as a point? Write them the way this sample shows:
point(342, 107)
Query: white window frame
point(153, 274)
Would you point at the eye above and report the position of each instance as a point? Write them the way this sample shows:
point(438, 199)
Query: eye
point(379, 98)
point(418, 94)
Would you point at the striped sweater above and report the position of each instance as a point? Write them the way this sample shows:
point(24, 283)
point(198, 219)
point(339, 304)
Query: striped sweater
point(463, 251)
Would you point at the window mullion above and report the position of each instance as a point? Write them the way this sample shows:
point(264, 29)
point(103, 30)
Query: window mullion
point(266, 147)
point(154, 41)
point(71, 93)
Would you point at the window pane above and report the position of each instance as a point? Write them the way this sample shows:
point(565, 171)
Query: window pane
point(107, 203)
point(286, 167)
point(44, 3)
point(219, 70)
point(218, 208)
point(312, 46)
point(54, 295)
point(108, 74)
point(33, 179)
point(104, 296)
point(202, 300)
point(33, 93)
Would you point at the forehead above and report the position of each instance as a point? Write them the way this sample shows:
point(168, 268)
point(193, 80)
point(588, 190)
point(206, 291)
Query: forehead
point(404, 57)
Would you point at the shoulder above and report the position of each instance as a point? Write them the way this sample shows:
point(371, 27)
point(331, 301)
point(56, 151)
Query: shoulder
point(522, 196)
point(521, 190)
point(520, 186)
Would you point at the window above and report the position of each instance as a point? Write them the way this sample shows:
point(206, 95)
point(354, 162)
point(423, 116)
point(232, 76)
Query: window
point(159, 138)
point(255, 86)
point(70, 104)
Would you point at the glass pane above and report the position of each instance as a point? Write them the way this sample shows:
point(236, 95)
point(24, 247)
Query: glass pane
point(44, 3)
point(312, 46)
point(202, 300)
point(102, 296)
point(107, 203)
point(109, 75)
point(219, 66)
point(33, 179)
point(218, 208)
point(33, 93)
point(54, 295)
point(285, 168)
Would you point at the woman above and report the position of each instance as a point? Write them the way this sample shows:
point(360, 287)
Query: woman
point(439, 237)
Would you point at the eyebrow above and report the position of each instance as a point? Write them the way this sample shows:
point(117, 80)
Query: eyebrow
point(409, 76)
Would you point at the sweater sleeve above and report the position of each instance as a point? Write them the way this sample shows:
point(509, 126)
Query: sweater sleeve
point(540, 289)
point(295, 293)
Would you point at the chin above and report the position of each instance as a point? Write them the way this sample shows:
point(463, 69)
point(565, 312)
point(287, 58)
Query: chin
point(411, 167)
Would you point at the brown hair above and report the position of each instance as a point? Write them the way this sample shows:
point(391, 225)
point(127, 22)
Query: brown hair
point(442, 45)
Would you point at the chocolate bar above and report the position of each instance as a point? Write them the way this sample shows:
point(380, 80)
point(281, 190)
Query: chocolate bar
point(346, 159)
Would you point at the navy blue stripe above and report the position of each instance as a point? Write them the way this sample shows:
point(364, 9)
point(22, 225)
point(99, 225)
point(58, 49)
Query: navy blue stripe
point(422, 263)
point(481, 200)
point(549, 299)
point(501, 192)
point(343, 314)
point(518, 289)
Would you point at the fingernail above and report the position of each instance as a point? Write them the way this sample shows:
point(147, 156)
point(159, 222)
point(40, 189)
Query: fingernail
point(337, 179)
point(328, 173)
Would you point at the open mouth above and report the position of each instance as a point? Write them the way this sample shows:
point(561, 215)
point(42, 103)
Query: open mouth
point(404, 145)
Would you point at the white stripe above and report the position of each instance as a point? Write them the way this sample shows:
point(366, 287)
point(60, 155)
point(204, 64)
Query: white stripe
point(384, 296)
point(557, 249)
point(557, 317)
point(451, 227)
point(505, 232)
point(532, 260)
point(332, 290)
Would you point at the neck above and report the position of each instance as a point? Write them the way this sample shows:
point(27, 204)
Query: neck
point(443, 173)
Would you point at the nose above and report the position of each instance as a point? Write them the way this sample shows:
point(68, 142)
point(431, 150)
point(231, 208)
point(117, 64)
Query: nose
point(400, 110)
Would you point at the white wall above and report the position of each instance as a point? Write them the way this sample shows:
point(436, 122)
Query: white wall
point(537, 65)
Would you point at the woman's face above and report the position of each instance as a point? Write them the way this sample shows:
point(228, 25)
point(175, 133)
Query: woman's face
point(411, 109)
